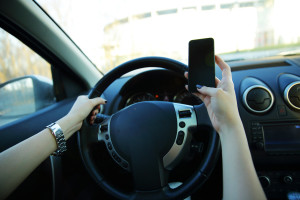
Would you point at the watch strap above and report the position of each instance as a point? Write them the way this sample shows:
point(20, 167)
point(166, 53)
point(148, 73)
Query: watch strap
point(59, 138)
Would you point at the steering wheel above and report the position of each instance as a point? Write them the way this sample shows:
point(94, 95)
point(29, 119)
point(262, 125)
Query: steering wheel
point(149, 139)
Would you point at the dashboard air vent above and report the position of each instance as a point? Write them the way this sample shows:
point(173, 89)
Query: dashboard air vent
point(258, 99)
point(292, 95)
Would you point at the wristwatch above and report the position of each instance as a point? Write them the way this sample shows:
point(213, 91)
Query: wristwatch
point(59, 137)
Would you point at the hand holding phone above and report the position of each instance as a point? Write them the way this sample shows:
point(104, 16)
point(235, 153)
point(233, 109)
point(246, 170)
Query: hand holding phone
point(201, 63)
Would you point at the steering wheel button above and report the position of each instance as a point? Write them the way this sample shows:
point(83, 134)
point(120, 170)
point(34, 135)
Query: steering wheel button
point(124, 164)
point(180, 138)
point(180, 133)
point(181, 124)
point(184, 113)
point(109, 146)
point(107, 137)
point(118, 159)
point(179, 141)
point(103, 128)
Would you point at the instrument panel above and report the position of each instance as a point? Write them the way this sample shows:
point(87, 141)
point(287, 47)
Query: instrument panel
point(183, 96)
point(157, 85)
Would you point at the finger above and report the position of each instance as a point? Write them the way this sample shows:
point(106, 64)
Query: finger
point(226, 70)
point(208, 91)
point(201, 96)
point(204, 98)
point(207, 100)
point(95, 112)
point(186, 75)
point(98, 100)
point(217, 81)
point(92, 119)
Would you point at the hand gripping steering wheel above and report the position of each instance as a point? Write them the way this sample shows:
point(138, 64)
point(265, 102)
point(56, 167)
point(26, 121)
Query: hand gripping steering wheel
point(149, 139)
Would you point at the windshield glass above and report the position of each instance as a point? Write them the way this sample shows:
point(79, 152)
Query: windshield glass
point(112, 32)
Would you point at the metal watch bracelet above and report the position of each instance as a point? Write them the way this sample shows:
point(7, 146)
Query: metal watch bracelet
point(59, 137)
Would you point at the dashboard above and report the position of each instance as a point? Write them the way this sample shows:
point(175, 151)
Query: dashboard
point(268, 97)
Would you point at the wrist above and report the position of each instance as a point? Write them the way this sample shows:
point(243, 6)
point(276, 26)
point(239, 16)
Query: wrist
point(58, 134)
point(234, 129)
point(69, 125)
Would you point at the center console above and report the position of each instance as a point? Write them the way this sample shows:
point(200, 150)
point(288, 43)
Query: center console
point(276, 151)
point(271, 116)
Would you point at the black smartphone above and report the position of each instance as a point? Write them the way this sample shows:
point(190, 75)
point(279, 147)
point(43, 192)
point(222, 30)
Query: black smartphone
point(201, 63)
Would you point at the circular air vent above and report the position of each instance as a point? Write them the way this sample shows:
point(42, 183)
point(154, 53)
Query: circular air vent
point(258, 99)
point(292, 95)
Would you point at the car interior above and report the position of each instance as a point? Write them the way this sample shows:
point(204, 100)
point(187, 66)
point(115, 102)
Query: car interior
point(146, 101)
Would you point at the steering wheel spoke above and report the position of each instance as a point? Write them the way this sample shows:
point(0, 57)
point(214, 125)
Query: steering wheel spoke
point(92, 131)
point(102, 122)
point(148, 172)
point(186, 119)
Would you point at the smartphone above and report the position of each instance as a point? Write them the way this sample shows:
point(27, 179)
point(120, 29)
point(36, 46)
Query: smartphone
point(201, 63)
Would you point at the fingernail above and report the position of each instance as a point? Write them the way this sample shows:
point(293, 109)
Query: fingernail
point(199, 86)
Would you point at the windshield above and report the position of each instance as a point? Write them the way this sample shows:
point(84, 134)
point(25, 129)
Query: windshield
point(112, 32)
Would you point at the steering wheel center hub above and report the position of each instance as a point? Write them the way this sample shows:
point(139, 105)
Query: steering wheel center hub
point(146, 129)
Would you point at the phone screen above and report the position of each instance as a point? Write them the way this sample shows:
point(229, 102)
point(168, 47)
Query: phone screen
point(201, 63)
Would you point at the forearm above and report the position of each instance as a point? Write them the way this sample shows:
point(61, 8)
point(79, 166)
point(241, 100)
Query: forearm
point(69, 125)
point(18, 162)
point(240, 180)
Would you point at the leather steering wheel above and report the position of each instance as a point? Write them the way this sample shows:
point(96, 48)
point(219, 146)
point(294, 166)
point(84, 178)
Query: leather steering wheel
point(149, 139)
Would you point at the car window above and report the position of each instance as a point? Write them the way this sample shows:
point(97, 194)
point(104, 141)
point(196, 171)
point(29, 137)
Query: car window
point(25, 80)
point(112, 32)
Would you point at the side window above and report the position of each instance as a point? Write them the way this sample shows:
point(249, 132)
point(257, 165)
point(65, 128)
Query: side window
point(25, 80)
